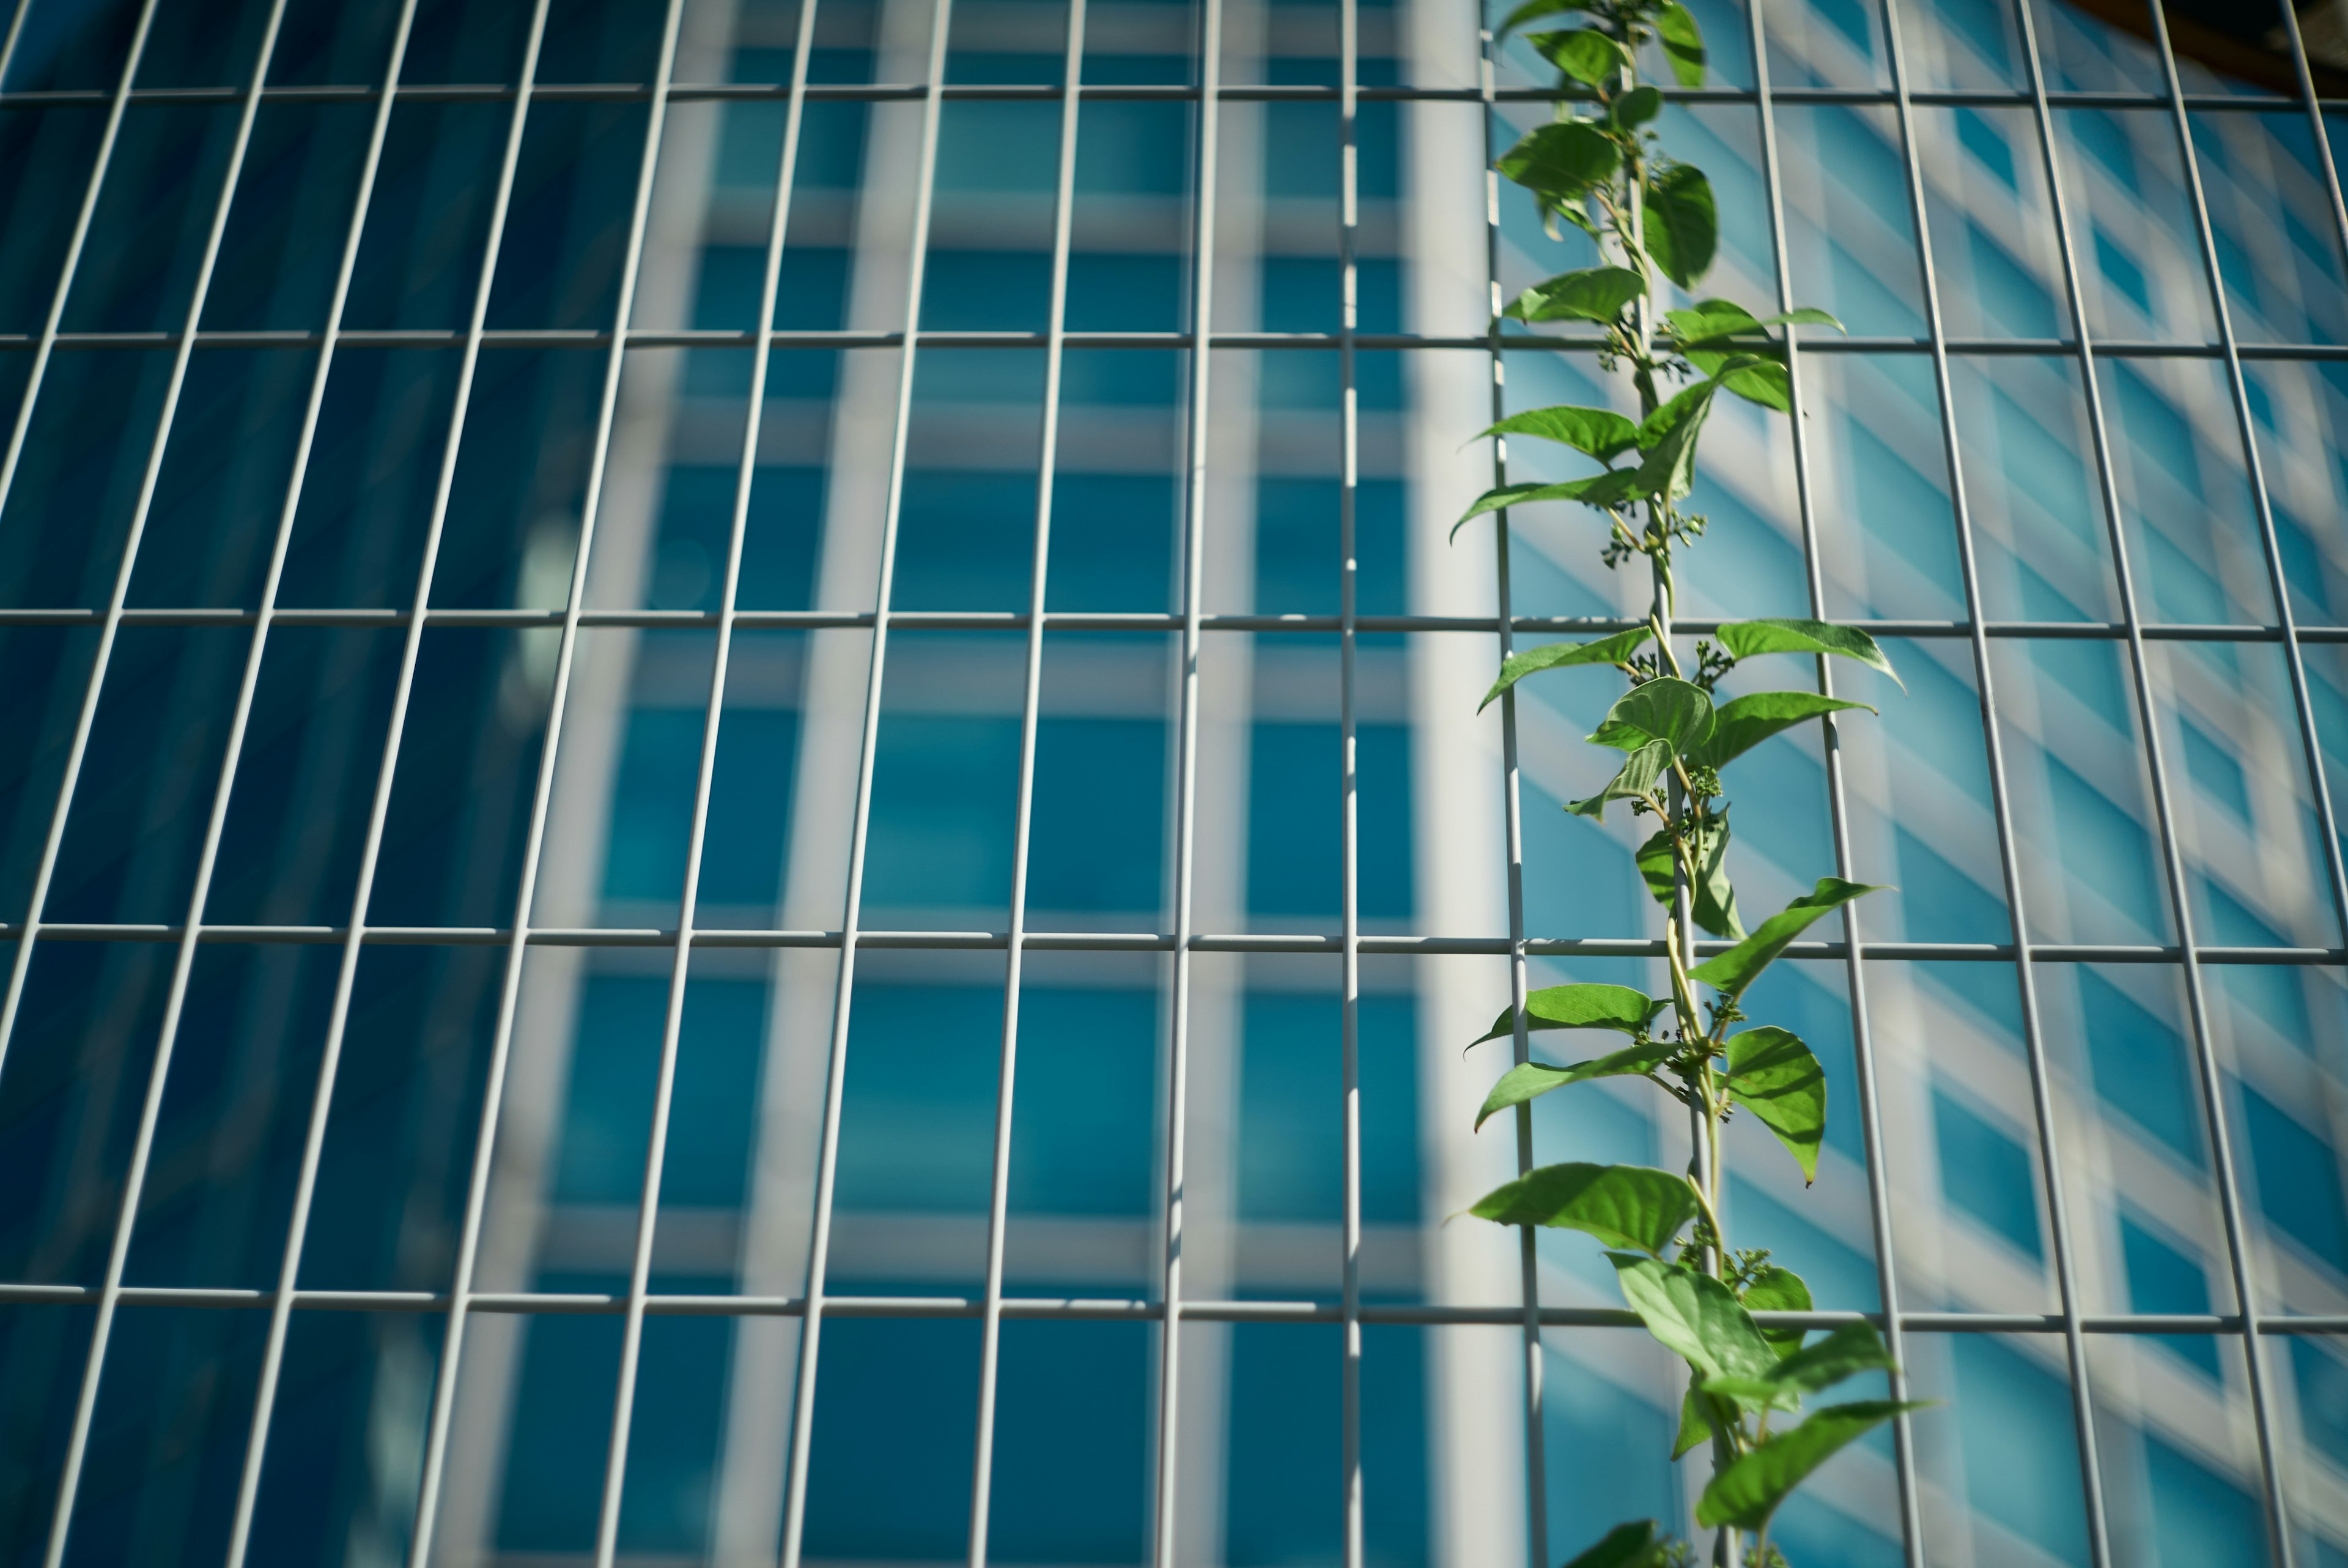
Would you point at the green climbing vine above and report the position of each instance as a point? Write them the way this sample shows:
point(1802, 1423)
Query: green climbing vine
point(1598, 166)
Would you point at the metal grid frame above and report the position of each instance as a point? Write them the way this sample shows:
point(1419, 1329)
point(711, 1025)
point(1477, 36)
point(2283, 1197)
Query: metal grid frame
point(1349, 943)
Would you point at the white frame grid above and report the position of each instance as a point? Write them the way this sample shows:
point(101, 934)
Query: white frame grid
point(1349, 943)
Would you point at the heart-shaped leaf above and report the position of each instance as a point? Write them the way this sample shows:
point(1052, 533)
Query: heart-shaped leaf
point(1534, 10)
point(1531, 1079)
point(1637, 107)
point(1683, 226)
point(1639, 1544)
point(1581, 1005)
point(1587, 56)
point(1564, 160)
point(1777, 1077)
point(1621, 1205)
point(1739, 966)
point(1668, 438)
point(1674, 712)
point(1614, 649)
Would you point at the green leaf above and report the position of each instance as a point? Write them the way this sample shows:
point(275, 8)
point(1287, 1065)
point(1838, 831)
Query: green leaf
point(1747, 638)
point(1587, 56)
point(1600, 432)
point(1770, 386)
point(1682, 43)
point(1614, 649)
point(1533, 10)
point(1695, 1426)
point(1775, 1289)
point(1714, 901)
point(1674, 712)
point(1694, 1317)
point(1778, 1077)
point(1850, 1349)
point(1749, 1490)
point(1591, 295)
point(1639, 1544)
point(1531, 1079)
point(1582, 1005)
point(1597, 491)
point(1563, 160)
point(1668, 438)
point(1717, 322)
point(1621, 1205)
point(1683, 226)
point(1737, 969)
point(1635, 780)
point(1744, 723)
point(1637, 107)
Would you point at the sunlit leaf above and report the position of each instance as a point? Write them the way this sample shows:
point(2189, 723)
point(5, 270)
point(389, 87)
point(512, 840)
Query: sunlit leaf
point(1683, 226)
point(1694, 1316)
point(1674, 712)
point(1682, 43)
point(1745, 639)
point(1778, 1077)
point(1597, 490)
point(1635, 780)
point(1614, 649)
point(1586, 56)
point(1695, 1426)
point(1768, 385)
point(1713, 901)
point(1621, 1205)
point(1669, 437)
point(1851, 1348)
point(1591, 295)
point(1746, 1492)
point(1742, 722)
point(1600, 432)
point(1777, 1289)
point(1737, 969)
point(1531, 1079)
point(1564, 160)
point(1581, 1005)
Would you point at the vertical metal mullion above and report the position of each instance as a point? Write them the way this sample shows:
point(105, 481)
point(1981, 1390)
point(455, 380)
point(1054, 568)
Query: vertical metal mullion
point(444, 1393)
point(851, 912)
point(23, 9)
point(151, 1109)
point(1186, 779)
point(982, 1481)
point(2323, 154)
point(79, 748)
point(615, 1460)
point(1870, 1099)
point(1513, 834)
point(2041, 1088)
point(1349, 916)
point(314, 1140)
point(2213, 1083)
point(2262, 502)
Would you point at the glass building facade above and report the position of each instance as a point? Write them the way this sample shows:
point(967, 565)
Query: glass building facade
point(530, 772)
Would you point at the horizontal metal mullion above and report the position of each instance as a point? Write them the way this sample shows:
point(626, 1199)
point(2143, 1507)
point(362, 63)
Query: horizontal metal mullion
point(1257, 92)
point(512, 338)
point(1129, 1309)
point(1138, 621)
point(1305, 942)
